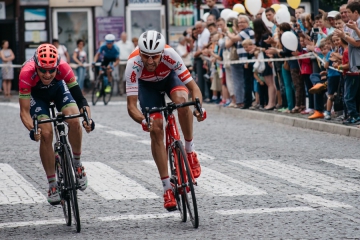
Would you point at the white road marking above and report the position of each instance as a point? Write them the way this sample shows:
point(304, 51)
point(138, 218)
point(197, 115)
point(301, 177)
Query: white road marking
point(303, 177)
point(101, 126)
point(111, 184)
point(146, 142)
point(138, 217)
point(353, 164)
point(312, 199)
point(264, 210)
point(203, 156)
point(112, 103)
point(32, 223)
point(15, 189)
point(215, 183)
point(121, 133)
point(10, 104)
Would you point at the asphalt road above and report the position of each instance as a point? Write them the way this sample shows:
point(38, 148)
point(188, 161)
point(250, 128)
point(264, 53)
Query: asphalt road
point(260, 180)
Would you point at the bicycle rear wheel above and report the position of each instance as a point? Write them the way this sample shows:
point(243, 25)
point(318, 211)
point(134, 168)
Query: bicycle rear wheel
point(180, 199)
point(65, 198)
point(72, 188)
point(97, 91)
point(188, 186)
point(107, 96)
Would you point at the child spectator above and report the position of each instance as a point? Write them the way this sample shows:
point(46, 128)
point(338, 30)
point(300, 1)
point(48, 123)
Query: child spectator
point(216, 70)
point(249, 48)
point(339, 24)
point(305, 71)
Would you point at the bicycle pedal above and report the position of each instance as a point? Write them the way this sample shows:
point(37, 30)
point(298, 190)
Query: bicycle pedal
point(171, 209)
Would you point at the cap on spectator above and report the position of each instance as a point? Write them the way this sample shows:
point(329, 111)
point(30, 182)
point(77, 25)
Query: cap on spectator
point(332, 14)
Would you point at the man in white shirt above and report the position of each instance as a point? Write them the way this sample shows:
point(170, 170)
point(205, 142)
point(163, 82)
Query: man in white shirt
point(182, 50)
point(126, 47)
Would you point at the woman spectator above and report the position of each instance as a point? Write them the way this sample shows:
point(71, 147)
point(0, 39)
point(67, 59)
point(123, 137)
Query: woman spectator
point(7, 56)
point(245, 32)
point(263, 33)
point(80, 57)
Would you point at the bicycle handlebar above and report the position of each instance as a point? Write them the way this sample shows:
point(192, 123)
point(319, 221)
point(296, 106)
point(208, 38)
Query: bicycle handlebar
point(60, 117)
point(171, 107)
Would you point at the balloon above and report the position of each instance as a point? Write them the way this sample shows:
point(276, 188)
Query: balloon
point(266, 21)
point(294, 3)
point(253, 6)
point(224, 13)
point(204, 17)
point(276, 7)
point(283, 6)
point(233, 14)
point(239, 8)
point(289, 40)
point(282, 15)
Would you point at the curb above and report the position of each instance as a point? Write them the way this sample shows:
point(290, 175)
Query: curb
point(333, 128)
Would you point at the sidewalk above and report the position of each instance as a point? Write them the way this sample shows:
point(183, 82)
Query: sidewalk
point(294, 120)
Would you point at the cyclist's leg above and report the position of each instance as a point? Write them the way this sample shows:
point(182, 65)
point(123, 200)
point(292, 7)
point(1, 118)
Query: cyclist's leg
point(178, 93)
point(66, 104)
point(40, 108)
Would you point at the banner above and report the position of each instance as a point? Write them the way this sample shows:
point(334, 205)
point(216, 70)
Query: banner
point(106, 25)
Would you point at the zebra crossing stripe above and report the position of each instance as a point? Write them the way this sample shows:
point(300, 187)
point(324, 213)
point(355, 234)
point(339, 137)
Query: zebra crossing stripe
point(353, 164)
point(111, 184)
point(316, 200)
point(214, 183)
point(138, 217)
point(121, 133)
point(265, 210)
point(15, 189)
point(299, 176)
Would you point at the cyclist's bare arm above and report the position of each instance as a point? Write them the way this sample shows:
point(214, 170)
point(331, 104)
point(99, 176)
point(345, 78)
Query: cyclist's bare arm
point(194, 90)
point(96, 57)
point(25, 113)
point(117, 62)
point(133, 110)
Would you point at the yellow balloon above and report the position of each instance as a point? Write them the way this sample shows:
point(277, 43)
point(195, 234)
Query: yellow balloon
point(276, 7)
point(294, 3)
point(239, 8)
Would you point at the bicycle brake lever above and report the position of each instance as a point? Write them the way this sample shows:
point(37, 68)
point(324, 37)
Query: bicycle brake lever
point(35, 124)
point(147, 117)
point(86, 116)
point(198, 106)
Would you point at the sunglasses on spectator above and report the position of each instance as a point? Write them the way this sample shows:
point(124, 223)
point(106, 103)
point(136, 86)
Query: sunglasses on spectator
point(153, 57)
point(44, 70)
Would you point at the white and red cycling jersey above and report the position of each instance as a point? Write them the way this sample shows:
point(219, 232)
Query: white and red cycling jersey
point(170, 60)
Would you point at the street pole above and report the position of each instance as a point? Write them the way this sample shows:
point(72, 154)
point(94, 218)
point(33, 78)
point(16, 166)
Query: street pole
point(315, 7)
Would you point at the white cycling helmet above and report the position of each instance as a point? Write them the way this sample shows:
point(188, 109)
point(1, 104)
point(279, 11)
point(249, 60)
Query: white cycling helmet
point(151, 42)
point(110, 38)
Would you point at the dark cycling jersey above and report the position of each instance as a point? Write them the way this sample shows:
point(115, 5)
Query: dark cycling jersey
point(111, 53)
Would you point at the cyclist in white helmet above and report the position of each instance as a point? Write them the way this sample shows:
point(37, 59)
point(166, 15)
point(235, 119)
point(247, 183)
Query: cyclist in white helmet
point(111, 54)
point(153, 68)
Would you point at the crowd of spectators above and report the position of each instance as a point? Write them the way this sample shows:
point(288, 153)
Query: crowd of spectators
point(324, 86)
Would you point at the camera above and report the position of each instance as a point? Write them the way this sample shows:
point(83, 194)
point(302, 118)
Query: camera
point(315, 30)
point(229, 24)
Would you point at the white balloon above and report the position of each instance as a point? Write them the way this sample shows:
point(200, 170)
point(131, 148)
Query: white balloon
point(289, 40)
point(266, 21)
point(253, 7)
point(204, 17)
point(284, 7)
point(282, 15)
point(224, 13)
point(233, 14)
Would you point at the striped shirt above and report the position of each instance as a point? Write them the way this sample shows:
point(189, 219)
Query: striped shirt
point(247, 33)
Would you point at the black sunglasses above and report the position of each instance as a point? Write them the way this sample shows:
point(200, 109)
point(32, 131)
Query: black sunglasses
point(44, 70)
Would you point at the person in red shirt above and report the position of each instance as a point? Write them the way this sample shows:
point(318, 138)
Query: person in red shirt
point(305, 71)
point(43, 79)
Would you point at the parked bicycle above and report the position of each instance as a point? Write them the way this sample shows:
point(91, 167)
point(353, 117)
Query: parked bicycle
point(102, 87)
point(181, 174)
point(64, 165)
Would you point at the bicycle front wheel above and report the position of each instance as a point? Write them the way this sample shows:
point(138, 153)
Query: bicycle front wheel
point(188, 186)
point(72, 188)
point(180, 198)
point(107, 95)
point(64, 193)
point(97, 92)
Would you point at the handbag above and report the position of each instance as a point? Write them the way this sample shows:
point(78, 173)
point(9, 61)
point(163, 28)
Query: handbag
point(259, 65)
point(233, 53)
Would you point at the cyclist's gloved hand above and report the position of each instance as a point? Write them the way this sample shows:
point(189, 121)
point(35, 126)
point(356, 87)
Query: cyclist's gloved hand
point(33, 136)
point(197, 115)
point(89, 128)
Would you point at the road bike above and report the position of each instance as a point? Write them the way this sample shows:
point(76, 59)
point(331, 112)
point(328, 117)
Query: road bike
point(101, 82)
point(181, 174)
point(64, 165)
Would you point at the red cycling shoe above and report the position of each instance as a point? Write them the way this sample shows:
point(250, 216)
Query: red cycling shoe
point(169, 200)
point(194, 164)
